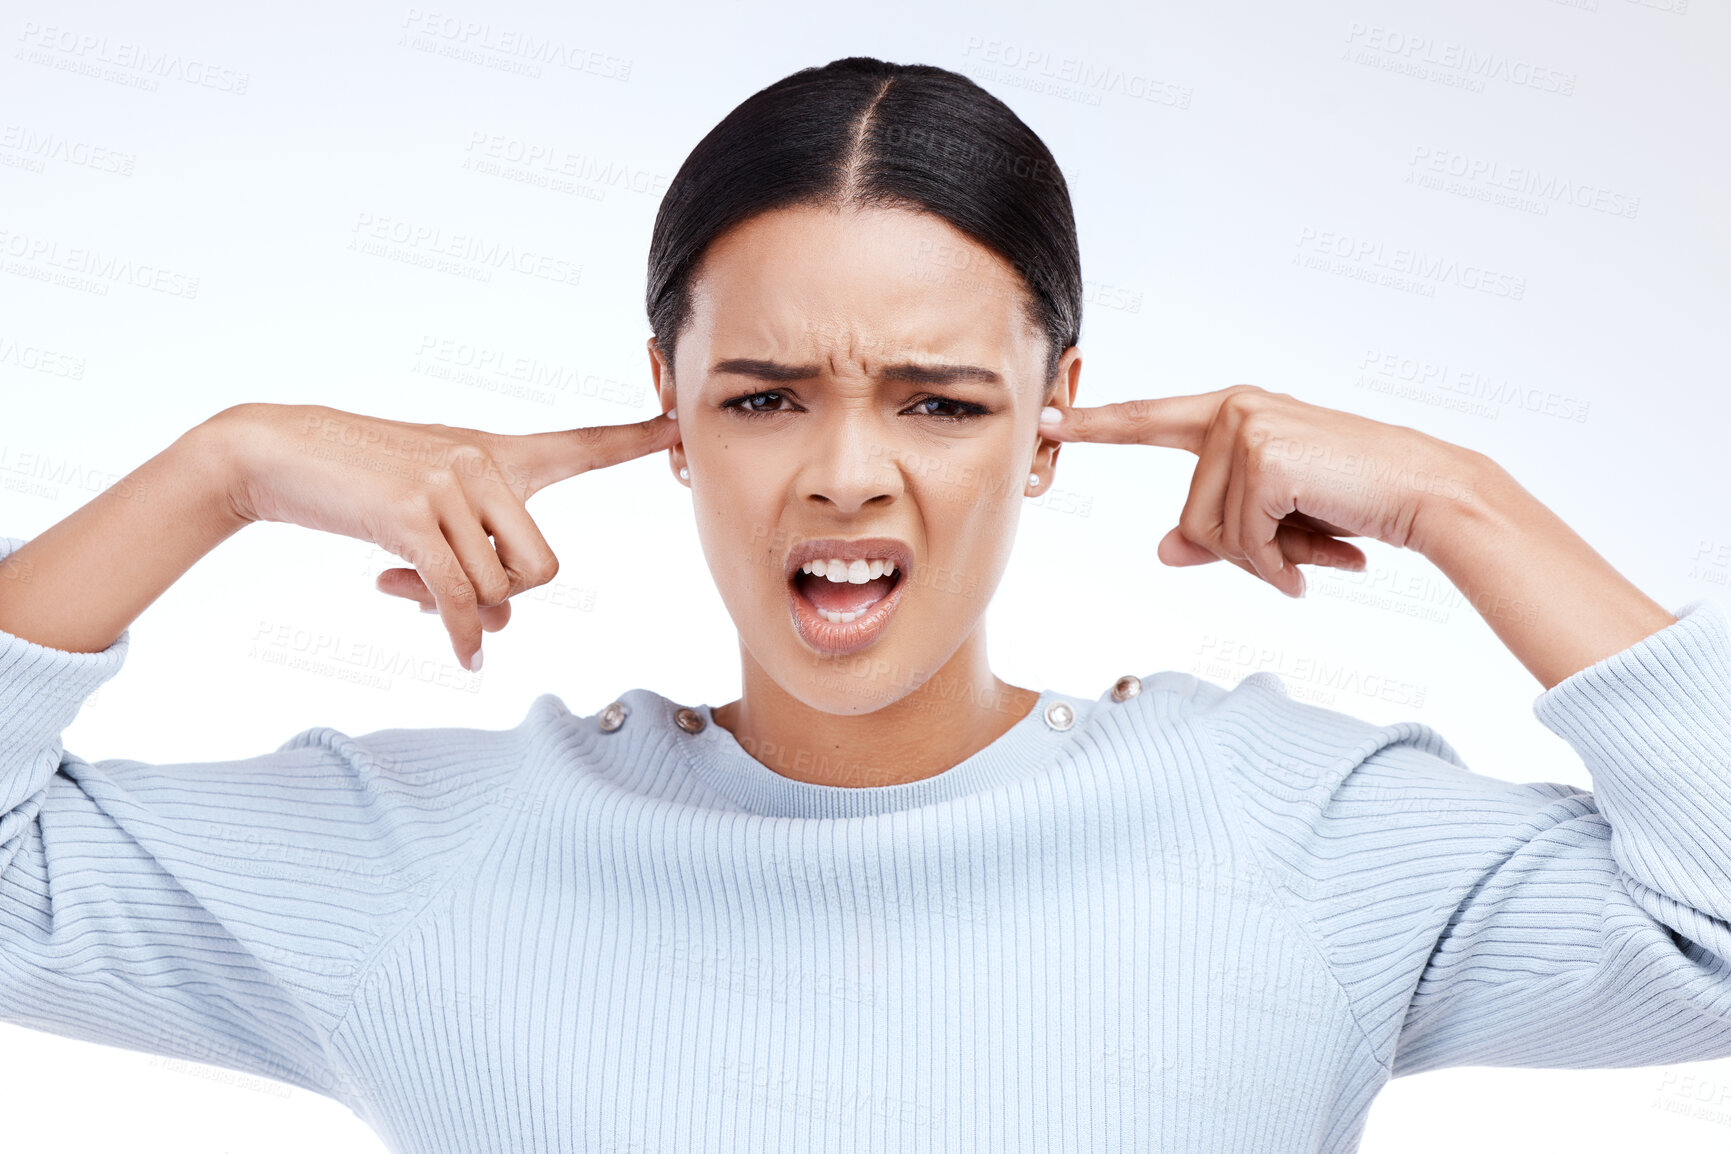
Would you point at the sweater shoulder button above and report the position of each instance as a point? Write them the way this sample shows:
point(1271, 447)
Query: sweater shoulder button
point(613, 716)
point(689, 720)
point(1126, 687)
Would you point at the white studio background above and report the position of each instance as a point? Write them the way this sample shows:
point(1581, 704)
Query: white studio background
point(1247, 176)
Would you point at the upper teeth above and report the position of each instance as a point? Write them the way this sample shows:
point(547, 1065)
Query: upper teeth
point(858, 572)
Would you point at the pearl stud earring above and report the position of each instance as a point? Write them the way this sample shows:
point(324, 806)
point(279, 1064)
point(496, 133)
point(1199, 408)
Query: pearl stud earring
point(684, 473)
point(1033, 480)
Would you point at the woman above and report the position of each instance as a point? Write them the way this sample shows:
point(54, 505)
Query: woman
point(883, 899)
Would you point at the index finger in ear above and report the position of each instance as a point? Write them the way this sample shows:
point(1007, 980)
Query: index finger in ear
point(555, 455)
point(1170, 422)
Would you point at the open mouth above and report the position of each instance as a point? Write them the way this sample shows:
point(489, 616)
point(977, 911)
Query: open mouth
point(841, 608)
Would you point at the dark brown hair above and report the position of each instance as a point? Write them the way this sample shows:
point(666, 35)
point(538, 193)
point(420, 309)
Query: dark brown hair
point(861, 131)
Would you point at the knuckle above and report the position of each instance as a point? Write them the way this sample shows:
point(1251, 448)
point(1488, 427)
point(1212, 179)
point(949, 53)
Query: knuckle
point(493, 588)
point(1254, 417)
point(587, 444)
point(414, 506)
point(1242, 400)
point(460, 595)
point(542, 570)
point(244, 410)
point(469, 460)
point(1259, 433)
point(1137, 413)
point(1258, 442)
point(1194, 526)
point(411, 554)
point(440, 478)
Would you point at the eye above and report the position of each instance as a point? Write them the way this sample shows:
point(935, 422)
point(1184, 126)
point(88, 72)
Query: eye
point(960, 410)
point(949, 409)
point(743, 403)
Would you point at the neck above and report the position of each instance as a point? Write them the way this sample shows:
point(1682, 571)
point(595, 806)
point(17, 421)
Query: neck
point(958, 711)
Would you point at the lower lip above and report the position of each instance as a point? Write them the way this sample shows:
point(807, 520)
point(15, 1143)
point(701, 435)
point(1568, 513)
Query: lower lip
point(828, 637)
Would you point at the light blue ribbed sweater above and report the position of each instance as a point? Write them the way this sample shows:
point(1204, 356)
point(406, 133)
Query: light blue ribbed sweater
point(1197, 920)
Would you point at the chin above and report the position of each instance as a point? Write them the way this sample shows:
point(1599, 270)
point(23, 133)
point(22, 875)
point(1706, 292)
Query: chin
point(864, 698)
point(853, 684)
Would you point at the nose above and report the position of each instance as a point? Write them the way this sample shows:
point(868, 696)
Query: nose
point(852, 464)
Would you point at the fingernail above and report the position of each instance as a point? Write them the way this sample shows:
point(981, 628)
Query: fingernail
point(1051, 416)
point(671, 414)
point(475, 662)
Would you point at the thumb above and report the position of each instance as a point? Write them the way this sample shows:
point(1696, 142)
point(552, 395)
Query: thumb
point(1177, 549)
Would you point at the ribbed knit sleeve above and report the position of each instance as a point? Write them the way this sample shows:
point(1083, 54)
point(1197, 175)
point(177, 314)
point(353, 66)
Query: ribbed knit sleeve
point(1477, 921)
point(223, 912)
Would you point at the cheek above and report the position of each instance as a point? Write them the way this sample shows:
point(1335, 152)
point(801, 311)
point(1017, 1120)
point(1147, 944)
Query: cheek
point(970, 521)
point(736, 511)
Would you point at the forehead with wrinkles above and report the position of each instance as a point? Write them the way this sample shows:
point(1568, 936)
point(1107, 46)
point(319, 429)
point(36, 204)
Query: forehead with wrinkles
point(851, 290)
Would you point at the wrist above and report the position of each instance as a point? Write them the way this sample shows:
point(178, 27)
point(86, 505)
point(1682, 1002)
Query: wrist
point(1464, 501)
point(1548, 595)
point(216, 455)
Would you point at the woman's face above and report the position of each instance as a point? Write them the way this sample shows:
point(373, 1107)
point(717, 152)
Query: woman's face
point(853, 374)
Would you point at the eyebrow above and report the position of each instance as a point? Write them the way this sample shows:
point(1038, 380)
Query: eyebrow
point(907, 371)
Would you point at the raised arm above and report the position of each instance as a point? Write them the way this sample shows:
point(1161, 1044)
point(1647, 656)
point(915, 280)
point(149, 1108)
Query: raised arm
point(1473, 920)
point(449, 500)
point(79, 583)
point(227, 911)
point(223, 912)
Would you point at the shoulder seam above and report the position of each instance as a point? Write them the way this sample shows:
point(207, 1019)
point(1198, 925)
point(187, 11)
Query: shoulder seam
point(480, 836)
point(1377, 740)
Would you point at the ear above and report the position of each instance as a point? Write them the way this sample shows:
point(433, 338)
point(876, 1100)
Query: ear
point(1045, 464)
point(662, 374)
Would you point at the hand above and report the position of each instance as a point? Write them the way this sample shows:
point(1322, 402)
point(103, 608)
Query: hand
point(1278, 481)
point(448, 500)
